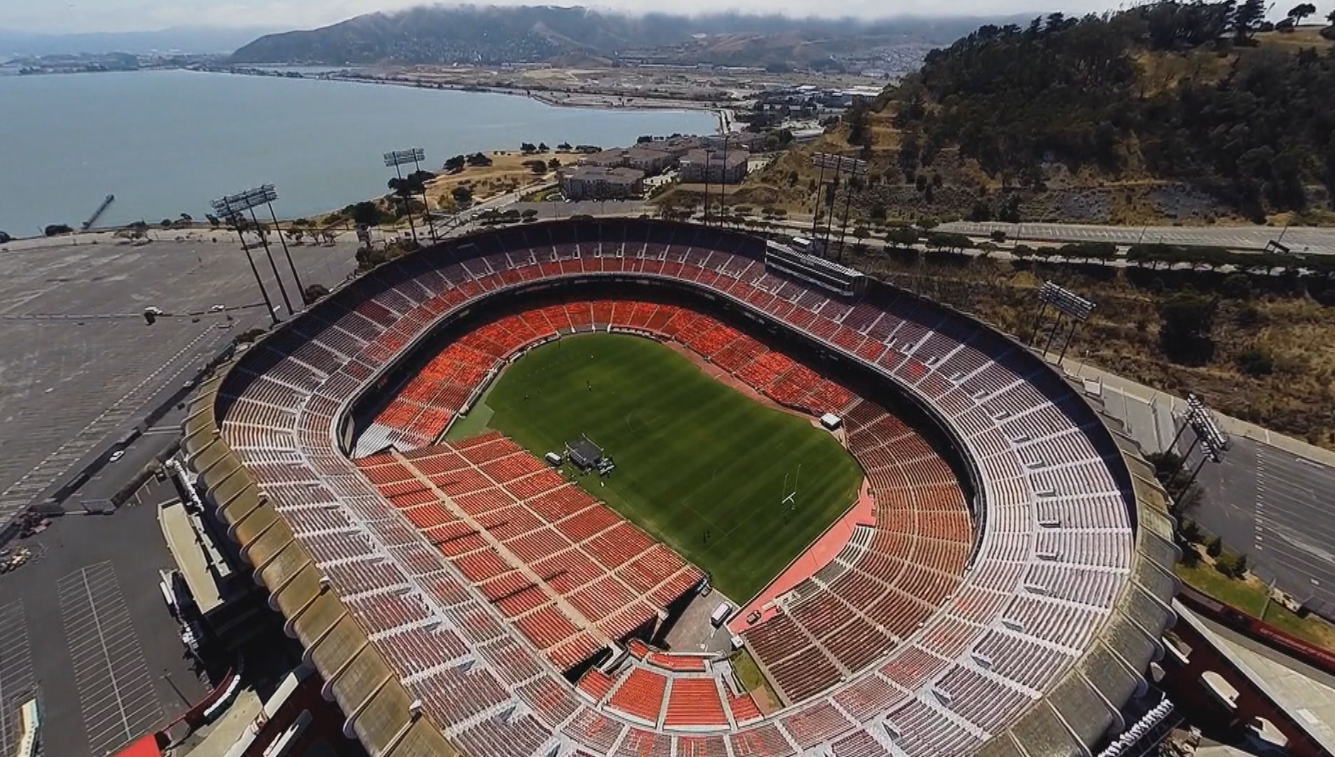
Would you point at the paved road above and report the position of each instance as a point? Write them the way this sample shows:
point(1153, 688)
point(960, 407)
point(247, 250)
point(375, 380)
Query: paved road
point(1234, 237)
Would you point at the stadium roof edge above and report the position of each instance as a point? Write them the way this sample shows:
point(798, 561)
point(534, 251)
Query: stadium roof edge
point(376, 703)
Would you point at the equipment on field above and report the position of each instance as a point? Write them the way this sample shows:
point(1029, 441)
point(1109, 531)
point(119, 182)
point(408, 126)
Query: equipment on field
point(584, 454)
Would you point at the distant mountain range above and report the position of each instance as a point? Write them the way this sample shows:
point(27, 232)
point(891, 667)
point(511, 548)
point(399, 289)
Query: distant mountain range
point(475, 34)
point(196, 41)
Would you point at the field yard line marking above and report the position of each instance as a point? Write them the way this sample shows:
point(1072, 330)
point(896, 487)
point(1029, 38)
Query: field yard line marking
point(97, 625)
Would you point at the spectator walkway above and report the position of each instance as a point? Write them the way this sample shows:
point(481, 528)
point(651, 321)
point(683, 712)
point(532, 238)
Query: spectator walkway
point(115, 690)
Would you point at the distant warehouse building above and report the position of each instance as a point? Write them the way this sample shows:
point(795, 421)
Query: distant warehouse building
point(714, 166)
point(601, 183)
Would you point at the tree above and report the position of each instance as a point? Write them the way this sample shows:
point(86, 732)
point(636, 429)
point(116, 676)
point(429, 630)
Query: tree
point(366, 213)
point(1240, 566)
point(538, 167)
point(462, 195)
point(857, 118)
point(213, 220)
point(314, 292)
point(1214, 547)
point(998, 236)
point(1186, 320)
point(1301, 11)
point(5, 238)
point(1247, 19)
point(56, 229)
point(528, 148)
point(903, 236)
point(554, 164)
point(542, 146)
point(455, 164)
point(479, 160)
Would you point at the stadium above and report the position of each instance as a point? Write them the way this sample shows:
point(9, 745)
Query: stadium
point(998, 585)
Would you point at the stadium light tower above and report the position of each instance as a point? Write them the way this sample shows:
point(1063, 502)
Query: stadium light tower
point(230, 209)
point(270, 196)
point(1067, 304)
point(849, 169)
point(1212, 441)
point(234, 205)
point(396, 160)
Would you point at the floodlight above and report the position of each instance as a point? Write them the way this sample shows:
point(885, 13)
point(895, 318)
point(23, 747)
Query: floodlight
point(839, 164)
point(404, 157)
point(1065, 301)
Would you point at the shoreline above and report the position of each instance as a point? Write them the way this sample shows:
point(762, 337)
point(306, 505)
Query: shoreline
point(722, 118)
point(725, 117)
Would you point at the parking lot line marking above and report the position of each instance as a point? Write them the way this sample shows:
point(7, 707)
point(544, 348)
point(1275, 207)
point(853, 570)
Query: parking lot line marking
point(16, 680)
point(115, 690)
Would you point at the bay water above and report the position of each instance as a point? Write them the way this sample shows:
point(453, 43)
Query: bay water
point(166, 142)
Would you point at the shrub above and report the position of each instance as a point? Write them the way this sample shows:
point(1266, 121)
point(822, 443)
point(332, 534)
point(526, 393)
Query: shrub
point(1189, 530)
point(1255, 361)
point(314, 292)
point(1240, 567)
point(1186, 322)
point(1225, 564)
point(1214, 547)
point(1249, 317)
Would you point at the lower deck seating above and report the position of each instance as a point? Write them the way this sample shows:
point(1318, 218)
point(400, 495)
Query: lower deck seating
point(541, 568)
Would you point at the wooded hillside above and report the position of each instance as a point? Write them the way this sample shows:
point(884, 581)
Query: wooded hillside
point(1252, 124)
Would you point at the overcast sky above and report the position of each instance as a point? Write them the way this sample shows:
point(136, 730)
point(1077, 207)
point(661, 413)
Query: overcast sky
point(60, 16)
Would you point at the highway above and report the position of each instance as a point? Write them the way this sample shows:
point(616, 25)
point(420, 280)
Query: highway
point(1240, 238)
point(1244, 238)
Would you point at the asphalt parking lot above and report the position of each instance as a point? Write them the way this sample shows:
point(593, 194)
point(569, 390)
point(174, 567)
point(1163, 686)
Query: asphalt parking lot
point(1275, 506)
point(80, 363)
point(84, 628)
point(115, 690)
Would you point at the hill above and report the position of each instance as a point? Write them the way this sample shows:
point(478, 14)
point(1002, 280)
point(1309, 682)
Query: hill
point(475, 34)
point(1166, 111)
point(205, 41)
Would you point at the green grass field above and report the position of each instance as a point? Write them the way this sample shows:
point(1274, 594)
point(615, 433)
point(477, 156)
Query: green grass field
point(693, 455)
